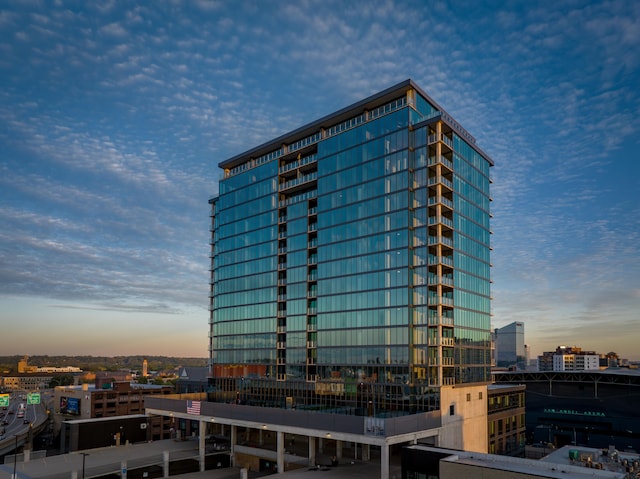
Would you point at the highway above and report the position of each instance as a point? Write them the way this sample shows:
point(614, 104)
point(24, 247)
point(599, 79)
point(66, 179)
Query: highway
point(20, 420)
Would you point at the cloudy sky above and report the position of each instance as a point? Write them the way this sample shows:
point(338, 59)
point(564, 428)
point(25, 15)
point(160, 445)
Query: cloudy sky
point(114, 116)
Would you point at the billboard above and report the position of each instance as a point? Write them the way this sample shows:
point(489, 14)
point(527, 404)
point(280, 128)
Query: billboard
point(69, 405)
point(33, 398)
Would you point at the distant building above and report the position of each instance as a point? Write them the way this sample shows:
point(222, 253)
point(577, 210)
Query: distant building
point(509, 346)
point(192, 379)
point(25, 368)
point(26, 381)
point(106, 379)
point(566, 358)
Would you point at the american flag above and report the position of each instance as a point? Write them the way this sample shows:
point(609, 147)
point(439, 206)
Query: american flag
point(193, 407)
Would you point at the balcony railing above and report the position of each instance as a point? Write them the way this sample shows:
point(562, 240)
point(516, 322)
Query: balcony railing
point(440, 137)
point(297, 181)
point(434, 200)
point(439, 219)
point(433, 240)
point(434, 180)
point(433, 160)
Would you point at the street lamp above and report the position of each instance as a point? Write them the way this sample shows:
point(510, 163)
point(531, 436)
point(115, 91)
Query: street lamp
point(84, 456)
point(15, 458)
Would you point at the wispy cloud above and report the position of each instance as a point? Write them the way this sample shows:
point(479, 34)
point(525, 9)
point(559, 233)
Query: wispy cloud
point(113, 120)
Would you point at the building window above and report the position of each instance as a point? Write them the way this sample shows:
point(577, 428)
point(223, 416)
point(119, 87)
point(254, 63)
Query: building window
point(468, 397)
point(480, 395)
point(452, 410)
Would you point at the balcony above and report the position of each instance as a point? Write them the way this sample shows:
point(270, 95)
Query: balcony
point(445, 260)
point(440, 220)
point(431, 139)
point(441, 320)
point(434, 240)
point(434, 180)
point(434, 200)
point(312, 344)
point(307, 160)
point(297, 182)
point(434, 160)
point(434, 280)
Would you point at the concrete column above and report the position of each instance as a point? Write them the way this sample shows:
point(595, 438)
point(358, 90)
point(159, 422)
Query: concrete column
point(366, 452)
point(384, 461)
point(355, 451)
point(201, 443)
point(280, 451)
point(260, 438)
point(320, 445)
point(233, 445)
point(74, 475)
point(26, 455)
point(165, 463)
point(123, 469)
point(312, 451)
point(339, 449)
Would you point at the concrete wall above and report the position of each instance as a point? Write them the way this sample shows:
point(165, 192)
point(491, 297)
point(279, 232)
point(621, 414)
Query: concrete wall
point(464, 418)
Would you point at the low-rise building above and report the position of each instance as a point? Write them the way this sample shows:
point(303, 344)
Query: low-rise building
point(26, 381)
point(122, 398)
point(506, 417)
point(567, 463)
point(118, 400)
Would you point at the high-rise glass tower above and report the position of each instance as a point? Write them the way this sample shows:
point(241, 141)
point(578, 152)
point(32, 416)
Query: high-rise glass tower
point(350, 262)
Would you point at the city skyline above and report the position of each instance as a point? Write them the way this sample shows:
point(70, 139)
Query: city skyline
point(114, 121)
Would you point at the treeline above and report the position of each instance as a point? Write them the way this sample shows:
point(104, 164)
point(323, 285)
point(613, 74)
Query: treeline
point(9, 364)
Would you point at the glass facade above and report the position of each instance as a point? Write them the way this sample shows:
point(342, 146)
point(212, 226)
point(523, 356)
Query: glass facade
point(350, 266)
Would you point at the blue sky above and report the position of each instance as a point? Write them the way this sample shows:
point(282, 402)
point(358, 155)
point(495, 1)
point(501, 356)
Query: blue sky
point(115, 115)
